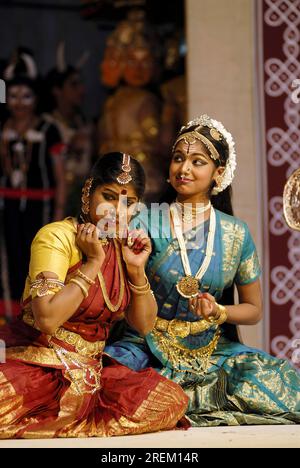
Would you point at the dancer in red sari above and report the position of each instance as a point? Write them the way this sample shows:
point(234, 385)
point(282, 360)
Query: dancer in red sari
point(56, 381)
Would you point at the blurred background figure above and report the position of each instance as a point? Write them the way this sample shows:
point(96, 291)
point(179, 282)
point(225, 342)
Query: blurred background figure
point(65, 93)
point(32, 187)
point(173, 91)
point(56, 122)
point(130, 121)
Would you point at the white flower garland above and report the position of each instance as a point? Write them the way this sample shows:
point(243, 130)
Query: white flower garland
point(228, 174)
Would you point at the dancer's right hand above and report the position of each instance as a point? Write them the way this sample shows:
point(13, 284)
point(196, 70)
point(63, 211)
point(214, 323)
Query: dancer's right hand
point(88, 242)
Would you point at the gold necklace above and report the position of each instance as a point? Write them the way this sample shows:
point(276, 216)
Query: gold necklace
point(188, 286)
point(190, 213)
point(112, 307)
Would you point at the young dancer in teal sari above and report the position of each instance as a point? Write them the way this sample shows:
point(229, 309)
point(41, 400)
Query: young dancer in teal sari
point(195, 341)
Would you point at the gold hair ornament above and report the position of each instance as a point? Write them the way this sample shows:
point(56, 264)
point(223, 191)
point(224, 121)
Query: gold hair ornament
point(125, 177)
point(191, 137)
point(85, 198)
point(217, 132)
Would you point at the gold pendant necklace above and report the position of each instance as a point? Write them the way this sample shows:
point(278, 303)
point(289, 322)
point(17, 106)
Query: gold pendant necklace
point(188, 286)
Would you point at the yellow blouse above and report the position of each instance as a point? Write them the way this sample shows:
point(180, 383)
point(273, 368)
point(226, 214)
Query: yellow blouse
point(53, 249)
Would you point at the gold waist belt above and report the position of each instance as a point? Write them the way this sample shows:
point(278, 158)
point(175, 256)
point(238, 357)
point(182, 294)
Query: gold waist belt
point(183, 359)
point(181, 328)
point(82, 346)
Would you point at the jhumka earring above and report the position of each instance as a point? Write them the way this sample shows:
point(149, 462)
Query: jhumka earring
point(85, 198)
point(218, 180)
point(125, 177)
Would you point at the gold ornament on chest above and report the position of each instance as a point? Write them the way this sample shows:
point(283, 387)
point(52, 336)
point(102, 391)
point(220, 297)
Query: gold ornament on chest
point(188, 287)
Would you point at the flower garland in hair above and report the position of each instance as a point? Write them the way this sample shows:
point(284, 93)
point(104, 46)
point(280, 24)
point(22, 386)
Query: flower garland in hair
point(228, 174)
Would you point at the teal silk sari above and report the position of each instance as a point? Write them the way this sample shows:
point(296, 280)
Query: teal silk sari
point(227, 382)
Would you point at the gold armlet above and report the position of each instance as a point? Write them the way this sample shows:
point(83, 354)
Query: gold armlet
point(45, 286)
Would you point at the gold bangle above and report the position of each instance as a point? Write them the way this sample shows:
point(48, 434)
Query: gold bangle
point(82, 287)
point(139, 292)
point(140, 288)
point(222, 316)
point(219, 312)
point(84, 277)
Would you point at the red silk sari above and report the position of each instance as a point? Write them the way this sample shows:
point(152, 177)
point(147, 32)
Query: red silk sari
point(64, 386)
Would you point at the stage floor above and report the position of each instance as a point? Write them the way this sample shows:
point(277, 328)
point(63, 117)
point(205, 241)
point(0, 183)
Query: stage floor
point(245, 436)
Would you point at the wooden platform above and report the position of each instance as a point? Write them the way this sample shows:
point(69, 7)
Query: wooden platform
point(245, 436)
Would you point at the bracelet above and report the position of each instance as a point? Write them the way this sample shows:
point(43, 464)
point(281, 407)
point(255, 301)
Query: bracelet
point(84, 277)
point(222, 317)
point(219, 312)
point(140, 288)
point(82, 287)
point(139, 292)
point(143, 293)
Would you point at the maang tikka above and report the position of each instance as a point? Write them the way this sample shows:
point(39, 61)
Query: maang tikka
point(125, 177)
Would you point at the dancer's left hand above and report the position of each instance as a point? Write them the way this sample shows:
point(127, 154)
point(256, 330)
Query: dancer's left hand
point(204, 306)
point(136, 248)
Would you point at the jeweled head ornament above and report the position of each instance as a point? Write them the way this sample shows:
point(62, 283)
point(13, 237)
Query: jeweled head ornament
point(125, 177)
point(218, 133)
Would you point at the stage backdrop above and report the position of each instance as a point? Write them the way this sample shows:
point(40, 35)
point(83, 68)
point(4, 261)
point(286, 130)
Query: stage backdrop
point(221, 82)
point(280, 42)
point(242, 62)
